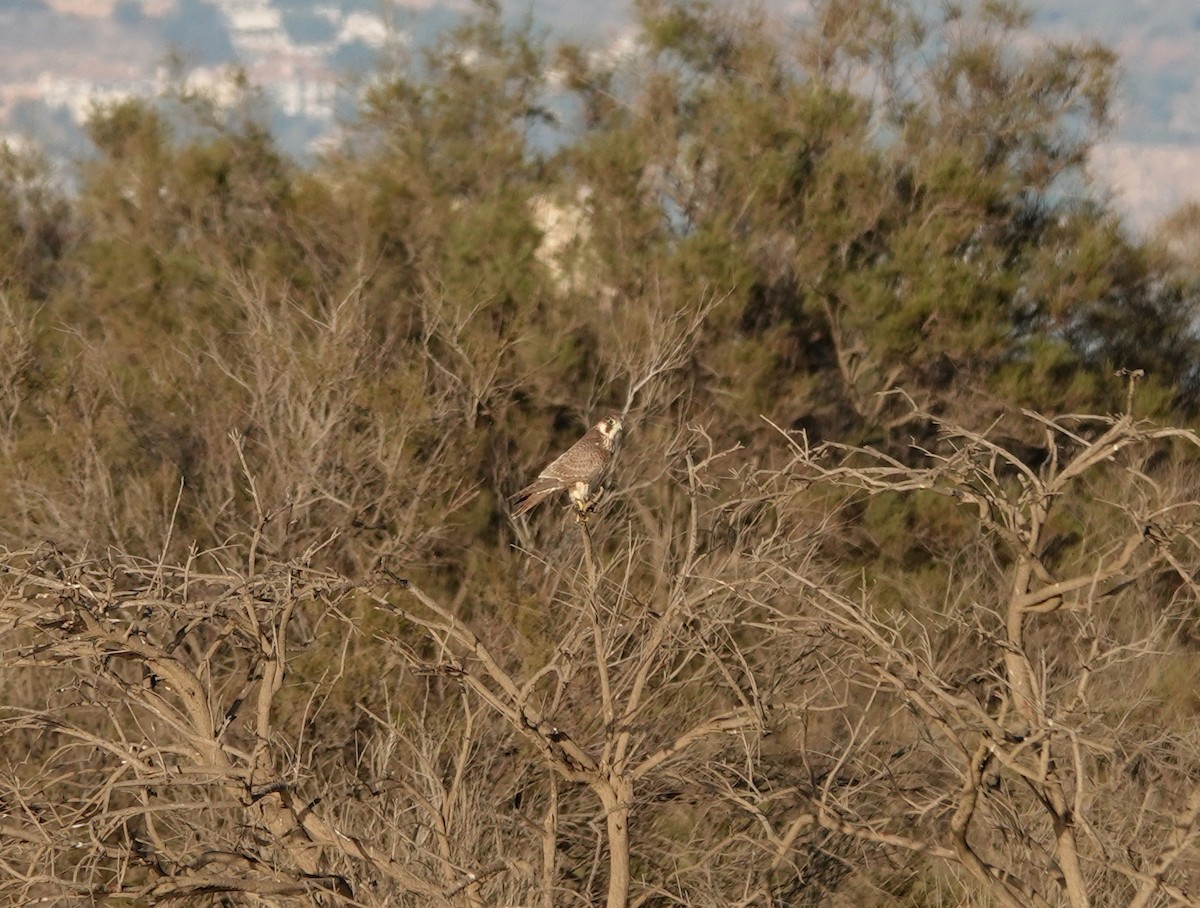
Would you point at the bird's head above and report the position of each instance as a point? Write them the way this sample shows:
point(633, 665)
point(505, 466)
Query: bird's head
point(610, 430)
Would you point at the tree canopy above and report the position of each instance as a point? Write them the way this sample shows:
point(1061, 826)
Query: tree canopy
point(876, 197)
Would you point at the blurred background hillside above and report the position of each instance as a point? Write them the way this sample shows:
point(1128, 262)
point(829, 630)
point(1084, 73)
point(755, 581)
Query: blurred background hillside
point(57, 56)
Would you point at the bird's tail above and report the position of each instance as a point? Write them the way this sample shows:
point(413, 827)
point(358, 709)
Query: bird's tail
point(532, 495)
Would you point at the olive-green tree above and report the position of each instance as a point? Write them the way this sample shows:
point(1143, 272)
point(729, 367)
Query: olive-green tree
point(889, 197)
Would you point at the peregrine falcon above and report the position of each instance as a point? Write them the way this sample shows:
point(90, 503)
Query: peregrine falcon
point(579, 470)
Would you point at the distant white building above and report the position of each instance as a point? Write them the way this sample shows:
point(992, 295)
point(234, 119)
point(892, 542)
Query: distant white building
point(1150, 181)
point(250, 15)
point(306, 98)
point(365, 28)
point(79, 96)
point(565, 249)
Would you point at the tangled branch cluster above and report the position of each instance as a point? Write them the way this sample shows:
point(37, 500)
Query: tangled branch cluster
point(715, 714)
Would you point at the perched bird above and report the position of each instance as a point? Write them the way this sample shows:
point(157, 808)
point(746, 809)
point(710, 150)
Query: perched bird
point(579, 470)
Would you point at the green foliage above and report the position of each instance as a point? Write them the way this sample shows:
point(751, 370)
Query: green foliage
point(449, 281)
point(35, 225)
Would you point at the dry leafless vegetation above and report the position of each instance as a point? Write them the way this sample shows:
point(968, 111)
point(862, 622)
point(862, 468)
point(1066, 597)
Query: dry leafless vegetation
point(690, 704)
